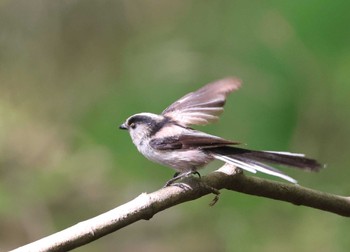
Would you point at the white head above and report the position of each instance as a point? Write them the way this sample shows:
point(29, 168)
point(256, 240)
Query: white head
point(143, 125)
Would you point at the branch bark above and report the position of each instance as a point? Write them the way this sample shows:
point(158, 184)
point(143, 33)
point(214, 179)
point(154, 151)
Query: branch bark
point(145, 206)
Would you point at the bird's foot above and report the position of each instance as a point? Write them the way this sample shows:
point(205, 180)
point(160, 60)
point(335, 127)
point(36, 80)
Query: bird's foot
point(179, 175)
point(184, 186)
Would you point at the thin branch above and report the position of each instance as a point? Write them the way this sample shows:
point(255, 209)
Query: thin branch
point(145, 206)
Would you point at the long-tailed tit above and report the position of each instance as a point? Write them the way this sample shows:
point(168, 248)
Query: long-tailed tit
point(168, 139)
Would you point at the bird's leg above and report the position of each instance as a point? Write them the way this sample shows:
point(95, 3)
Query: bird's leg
point(179, 175)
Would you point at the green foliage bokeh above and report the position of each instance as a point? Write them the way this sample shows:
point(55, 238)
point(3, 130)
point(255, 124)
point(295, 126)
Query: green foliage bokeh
point(72, 71)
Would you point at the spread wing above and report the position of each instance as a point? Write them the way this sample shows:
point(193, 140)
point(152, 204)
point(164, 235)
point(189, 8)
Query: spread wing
point(204, 105)
point(189, 141)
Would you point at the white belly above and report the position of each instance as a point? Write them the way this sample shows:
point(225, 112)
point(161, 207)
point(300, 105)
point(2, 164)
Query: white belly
point(180, 160)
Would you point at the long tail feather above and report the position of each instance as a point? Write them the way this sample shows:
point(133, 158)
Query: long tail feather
point(282, 158)
point(254, 161)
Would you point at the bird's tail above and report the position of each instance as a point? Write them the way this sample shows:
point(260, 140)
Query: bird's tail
point(254, 161)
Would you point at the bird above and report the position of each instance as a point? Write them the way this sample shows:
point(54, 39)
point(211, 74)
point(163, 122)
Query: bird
point(169, 139)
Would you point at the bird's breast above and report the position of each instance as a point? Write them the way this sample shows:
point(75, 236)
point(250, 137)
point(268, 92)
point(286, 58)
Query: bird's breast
point(180, 160)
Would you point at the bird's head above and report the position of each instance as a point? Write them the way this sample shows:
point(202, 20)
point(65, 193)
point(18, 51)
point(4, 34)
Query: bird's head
point(142, 125)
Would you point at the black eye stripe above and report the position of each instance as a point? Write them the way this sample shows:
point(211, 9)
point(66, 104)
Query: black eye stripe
point(140, 119)
point(154, 125)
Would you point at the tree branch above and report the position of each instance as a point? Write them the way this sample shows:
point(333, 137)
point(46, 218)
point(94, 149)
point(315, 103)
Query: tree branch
point(147, 205)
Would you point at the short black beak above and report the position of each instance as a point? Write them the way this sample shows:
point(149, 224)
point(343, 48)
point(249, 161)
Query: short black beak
point(123, 127)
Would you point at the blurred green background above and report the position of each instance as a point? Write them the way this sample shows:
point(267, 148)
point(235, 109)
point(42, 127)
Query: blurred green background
point(72, 71)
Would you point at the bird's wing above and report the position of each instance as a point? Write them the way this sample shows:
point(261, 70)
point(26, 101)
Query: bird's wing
point(196, 139)
point(204, 105)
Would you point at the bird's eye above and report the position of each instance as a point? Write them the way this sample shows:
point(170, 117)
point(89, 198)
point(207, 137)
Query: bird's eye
point(133, 125)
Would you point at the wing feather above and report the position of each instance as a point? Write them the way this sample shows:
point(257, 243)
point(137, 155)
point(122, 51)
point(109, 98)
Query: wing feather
point(189, 141)
point(204, 105)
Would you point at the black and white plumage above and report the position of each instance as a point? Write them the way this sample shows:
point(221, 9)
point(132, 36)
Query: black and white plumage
point(168, 139)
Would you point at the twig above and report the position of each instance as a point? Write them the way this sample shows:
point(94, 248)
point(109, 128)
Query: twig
point(146, 205)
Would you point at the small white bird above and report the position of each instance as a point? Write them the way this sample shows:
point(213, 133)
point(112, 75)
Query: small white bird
point(168, 139)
